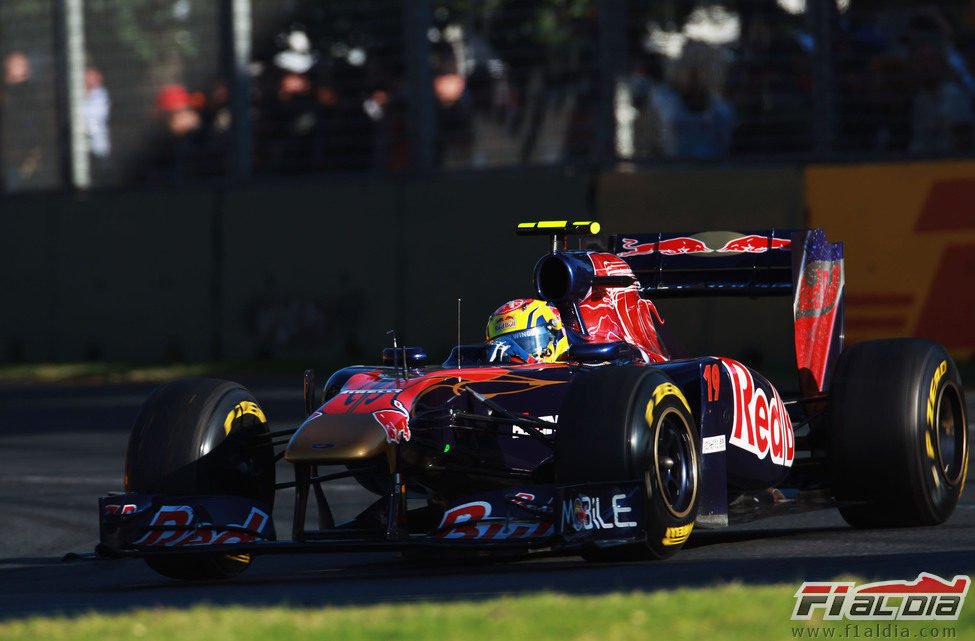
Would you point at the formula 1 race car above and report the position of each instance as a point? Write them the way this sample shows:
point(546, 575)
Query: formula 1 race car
point(594, 442)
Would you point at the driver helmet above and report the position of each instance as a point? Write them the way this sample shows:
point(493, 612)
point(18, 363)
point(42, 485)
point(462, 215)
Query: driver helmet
point(528, 330)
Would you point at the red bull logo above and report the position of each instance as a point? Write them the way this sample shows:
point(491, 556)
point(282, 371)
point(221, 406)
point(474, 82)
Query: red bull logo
point(395, 421)
point(752, 243)
point(669, 247)
point(755, 244)
point(503, 324)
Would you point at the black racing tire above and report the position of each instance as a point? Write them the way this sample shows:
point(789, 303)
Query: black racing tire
point(626, 423)
point(898, 435)
point(201, 436)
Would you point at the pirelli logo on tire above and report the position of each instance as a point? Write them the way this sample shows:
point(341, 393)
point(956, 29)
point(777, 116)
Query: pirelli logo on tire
point(677, 535)
point(933, 391)
point(242, 408)
point(659, 393)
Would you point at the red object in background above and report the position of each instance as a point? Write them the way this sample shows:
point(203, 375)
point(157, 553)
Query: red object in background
point(172, 98)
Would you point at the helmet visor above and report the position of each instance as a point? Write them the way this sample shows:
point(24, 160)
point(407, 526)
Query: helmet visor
point(531, 343)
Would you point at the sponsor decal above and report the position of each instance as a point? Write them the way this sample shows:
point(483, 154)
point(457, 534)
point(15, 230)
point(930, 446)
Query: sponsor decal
point(712, 444)
point(669, 247)
point(819, 289)
point(203, 533)
point(500, 529)
point(395, 421)
point(933, 392)
point(473, 521)
point(527, 501)
point(120, 510)
point(677, 535)
point(242, 408)
point(752, 244)
point(518, 432)
point(585, 513)
point(926, 598)
point(761, 424)
point(503, 324)
point(466, 513)
point(755, 244)
point(659, 392)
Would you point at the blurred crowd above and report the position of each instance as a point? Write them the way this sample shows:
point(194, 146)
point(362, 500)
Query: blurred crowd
point(308, 113)
point(899, 80)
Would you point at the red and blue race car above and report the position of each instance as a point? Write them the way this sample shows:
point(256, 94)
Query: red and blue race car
point(570, 430)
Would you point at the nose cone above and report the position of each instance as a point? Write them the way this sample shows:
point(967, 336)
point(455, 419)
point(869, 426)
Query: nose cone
point(336, 438)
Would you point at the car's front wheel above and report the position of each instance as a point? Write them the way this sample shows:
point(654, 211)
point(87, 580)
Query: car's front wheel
point(633, 423)
point(201, 436)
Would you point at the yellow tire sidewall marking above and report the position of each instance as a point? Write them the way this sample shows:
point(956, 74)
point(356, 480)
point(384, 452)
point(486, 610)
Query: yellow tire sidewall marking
point(242, 408)
point(677, 535)
point(933, 391)
point(660, 392)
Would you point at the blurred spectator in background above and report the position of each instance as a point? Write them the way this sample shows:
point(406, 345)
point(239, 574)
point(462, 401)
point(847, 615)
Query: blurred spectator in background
point(348, 110)
point(96, 109)
point(942, 112)
point(645, 81)
point(289, 109)
point(695, 122)
point(580, 145)
point(217, 121)
point(889, 86)
point(181, 137)
point(455, 126)
point(20, 145)
point(773, 98)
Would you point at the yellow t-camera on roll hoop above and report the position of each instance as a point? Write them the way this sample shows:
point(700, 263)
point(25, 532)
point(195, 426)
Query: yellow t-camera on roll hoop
point(558, 230)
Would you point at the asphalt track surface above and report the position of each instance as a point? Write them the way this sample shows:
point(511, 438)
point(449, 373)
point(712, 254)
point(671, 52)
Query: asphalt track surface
point(62, 447)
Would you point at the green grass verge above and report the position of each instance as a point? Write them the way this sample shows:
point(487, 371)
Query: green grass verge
point(730, 611)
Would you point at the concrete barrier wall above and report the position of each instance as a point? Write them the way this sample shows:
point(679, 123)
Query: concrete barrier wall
point(29, 318)
point(290, 270)
point(115, 277)
point(323, 270)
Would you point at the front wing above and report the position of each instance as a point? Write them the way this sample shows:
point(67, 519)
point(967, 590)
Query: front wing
point(543, 518)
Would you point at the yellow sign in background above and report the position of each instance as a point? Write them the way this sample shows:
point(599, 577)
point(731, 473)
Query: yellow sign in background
point(909, 237)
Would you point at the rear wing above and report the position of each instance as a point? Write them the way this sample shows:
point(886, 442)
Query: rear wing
point(797, 263)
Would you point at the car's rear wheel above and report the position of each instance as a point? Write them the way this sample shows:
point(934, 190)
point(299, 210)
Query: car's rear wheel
point(898, 433)
point(630, 423)
point(201, 436)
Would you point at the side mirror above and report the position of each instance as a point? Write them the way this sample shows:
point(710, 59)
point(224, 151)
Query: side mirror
point(309, 390)
point(415, 356)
